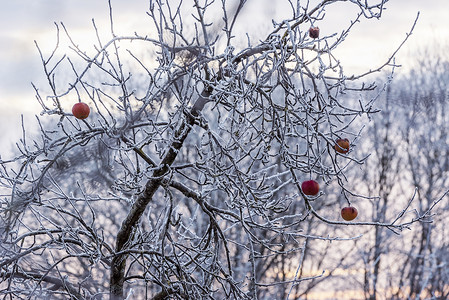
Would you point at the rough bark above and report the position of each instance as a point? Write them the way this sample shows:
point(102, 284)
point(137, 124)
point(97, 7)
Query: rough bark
point(118, 265)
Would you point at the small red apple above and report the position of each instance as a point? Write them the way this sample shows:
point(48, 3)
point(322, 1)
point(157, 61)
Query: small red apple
point(310, 187)
point(314, 32)
point(80, 110)
point(349, 213)
point(342, 146)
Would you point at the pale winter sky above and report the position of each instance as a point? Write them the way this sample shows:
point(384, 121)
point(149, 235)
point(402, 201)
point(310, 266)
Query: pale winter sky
point(23, 21)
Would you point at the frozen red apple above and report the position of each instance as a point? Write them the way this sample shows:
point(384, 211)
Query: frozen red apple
point(310, 187)
point(314, 32)
point(349, 213)
point(342, 146)
point(81, 110)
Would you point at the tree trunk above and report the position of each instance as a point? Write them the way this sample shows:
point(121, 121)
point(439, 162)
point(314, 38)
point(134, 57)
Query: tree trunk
point(118, 265)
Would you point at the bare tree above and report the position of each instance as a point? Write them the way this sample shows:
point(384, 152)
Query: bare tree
point(381, 177)
point(184, 182)
point(427, 152)
point(408, 146)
